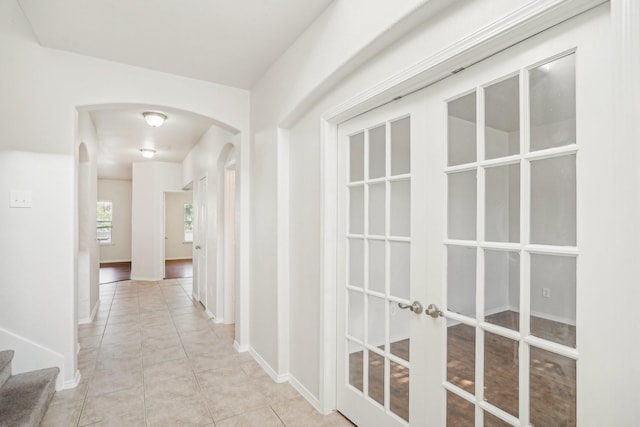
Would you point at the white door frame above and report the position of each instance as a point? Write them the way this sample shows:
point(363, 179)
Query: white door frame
point(523, 23)
point(201, 290)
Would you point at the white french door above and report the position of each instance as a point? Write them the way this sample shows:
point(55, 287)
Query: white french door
point(465, 240)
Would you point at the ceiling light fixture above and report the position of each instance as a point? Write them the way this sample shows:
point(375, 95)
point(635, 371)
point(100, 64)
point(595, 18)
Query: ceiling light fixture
point(154, 119)
point(147, 153)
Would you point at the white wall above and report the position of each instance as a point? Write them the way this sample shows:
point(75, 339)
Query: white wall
point(50, 84)
point(118, 192)
point(88, 251)
point(264, 292)
point(37, 301)
point(175, 247)
point(150, 181)
point(320, 71)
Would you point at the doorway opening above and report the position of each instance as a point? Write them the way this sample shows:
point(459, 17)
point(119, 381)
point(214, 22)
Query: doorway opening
point(178, 234)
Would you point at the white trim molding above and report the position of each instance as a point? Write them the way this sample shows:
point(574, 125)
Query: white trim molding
point(531, 19)
point(313, 400)
point(240, 348)
point(283, 249)
point(279, 378)
point(92, 316)
point(74, 382)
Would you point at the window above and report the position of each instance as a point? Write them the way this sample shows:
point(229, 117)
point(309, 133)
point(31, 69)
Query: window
point(104, 219)
point(188, 222)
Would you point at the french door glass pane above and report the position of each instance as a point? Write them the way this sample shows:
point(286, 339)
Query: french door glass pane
point(377, 209)
point(375, 327)
point(460, 412)
point(552, 102)
point(356, 210)
point(399, 331)
point(552, 389)
point(502, 118)
point(502, 288)
point(501, 372)
point(502, 204)
point(553, 201)
point(377, 265)
point(553, 298)
point(355, 326)
point(377, 152)
point(461, 280)
point(376, 377)
point(401, 208)
point(356, 371)
point(356, 157)
point(399, 394)
point(356, 262)
point(400, 253)
point(462, 135)
point(493, 421)
point(461, 213)
point(461, 356)
point(401, 146)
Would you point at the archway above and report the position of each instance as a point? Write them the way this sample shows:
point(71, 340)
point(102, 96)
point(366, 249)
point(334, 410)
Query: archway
point(87, 268)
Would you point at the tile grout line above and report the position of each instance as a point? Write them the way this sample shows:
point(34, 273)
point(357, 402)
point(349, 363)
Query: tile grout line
point(195, 376)
point(95, 363)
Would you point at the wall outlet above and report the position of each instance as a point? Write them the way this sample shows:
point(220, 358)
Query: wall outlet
point(20, 199)
point(546, 292)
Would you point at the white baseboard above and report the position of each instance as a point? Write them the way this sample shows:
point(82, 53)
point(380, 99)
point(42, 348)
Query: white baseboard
point(92, 316)
point(240, 348)
point(178, 259)
point(279, 378)
point(113, 262)
point(553, 318)
point(146, 279)
point(314, 401)
point(213, 317)
point(74, 382)
point(541, 315)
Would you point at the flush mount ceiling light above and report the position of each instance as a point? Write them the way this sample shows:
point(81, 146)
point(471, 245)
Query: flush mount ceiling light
point(154, 119)
point(147, 153)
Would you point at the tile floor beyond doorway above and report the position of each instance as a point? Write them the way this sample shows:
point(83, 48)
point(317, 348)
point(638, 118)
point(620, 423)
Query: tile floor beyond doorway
point(151, 358)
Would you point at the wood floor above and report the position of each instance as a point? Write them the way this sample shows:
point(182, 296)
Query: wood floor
point(178, 268)
point(119, 271)
point(114, 272)
point(552, 377)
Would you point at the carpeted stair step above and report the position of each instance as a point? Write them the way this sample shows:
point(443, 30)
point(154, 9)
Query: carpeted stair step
point(5, 365)
point(24, 398)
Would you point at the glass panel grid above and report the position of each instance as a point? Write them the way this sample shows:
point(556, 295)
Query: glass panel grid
point(522, 247)
point(381, 328)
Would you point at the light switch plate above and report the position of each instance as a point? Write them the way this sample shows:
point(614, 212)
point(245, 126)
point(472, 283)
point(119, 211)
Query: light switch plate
point(20, 199)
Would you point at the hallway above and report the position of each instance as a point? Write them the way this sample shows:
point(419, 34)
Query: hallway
point(151, 358)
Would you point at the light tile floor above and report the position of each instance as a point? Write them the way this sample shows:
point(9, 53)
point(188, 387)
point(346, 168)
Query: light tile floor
point(151, 358)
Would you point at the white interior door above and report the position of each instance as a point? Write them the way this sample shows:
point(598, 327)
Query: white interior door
point(201, 243)
point(379, 341)
point(476, 195)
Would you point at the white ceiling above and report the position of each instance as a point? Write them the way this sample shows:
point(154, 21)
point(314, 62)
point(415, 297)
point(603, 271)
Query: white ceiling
point(122, 131)
point(231, 42)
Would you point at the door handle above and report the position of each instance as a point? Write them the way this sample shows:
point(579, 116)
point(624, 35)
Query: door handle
point(433, 311)
point(197, 246)
point(416, 307)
